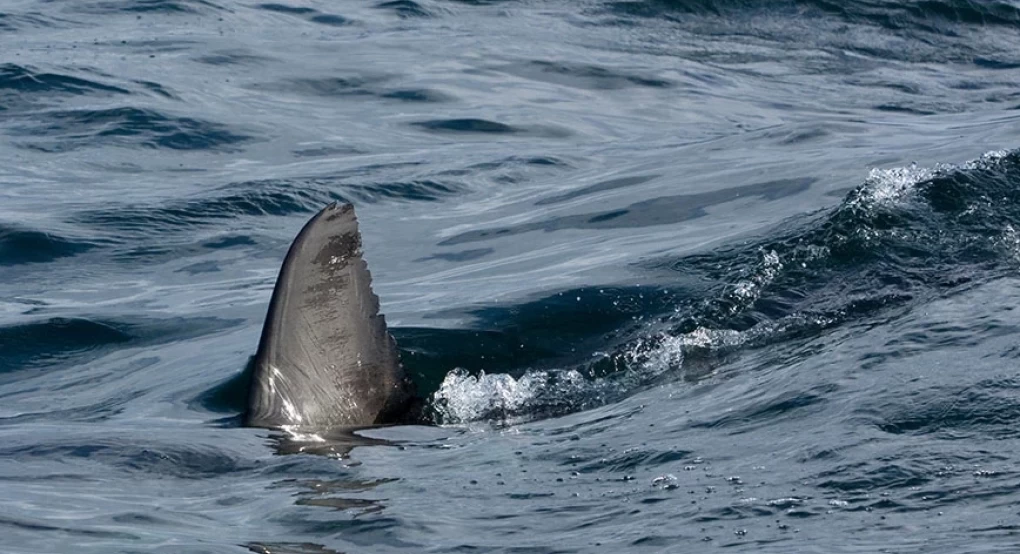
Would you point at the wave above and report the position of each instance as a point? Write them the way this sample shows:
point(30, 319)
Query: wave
point(151, 460)
point(233, 57)
point(69, 130)
point(360, 85)
point(51, 338)
point(405, 8)
point(309, 14)
point(126, 230)
point(488, 127)
point(14, 22)
point(904, 237)
point(262, 198)
point(166, 7)
point(271, 197)
point(47, 342)
point(989, 407)
point(922, 14)
point(26, 246)
point(657, 211)
point(30, 80)
point(854, 36)
point(582, 76)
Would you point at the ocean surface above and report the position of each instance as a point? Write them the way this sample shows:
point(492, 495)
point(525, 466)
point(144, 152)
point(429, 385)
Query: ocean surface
point(674, 275)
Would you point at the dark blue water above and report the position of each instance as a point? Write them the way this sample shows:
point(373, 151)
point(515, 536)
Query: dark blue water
point(676, 275)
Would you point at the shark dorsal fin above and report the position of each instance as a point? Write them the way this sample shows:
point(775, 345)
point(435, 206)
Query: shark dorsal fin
point(326, 359)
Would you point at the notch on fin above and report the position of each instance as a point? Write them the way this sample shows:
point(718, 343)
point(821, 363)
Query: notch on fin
point(326, 359)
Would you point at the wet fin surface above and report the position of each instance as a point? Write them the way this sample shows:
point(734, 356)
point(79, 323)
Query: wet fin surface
point(326, 359)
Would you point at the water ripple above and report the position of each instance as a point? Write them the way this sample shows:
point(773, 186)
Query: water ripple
point(24, 246)
point(132, 127)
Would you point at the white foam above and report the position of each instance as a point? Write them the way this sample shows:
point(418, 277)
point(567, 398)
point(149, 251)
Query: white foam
point(749, 290)
point(889, 186)
point(884, 187)
point(1010, 239)
point(463, 397)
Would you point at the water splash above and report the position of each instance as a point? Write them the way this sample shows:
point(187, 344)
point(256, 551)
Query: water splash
point(877, 250)
point(463, 397)
point(888, 187)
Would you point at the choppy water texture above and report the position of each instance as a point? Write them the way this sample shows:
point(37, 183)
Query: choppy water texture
point(676, 275)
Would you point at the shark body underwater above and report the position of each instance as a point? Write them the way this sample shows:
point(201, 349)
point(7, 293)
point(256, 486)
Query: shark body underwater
point(326, 360)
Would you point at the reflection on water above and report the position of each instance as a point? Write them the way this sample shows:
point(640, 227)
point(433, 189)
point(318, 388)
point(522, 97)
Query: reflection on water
point(673, 274)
